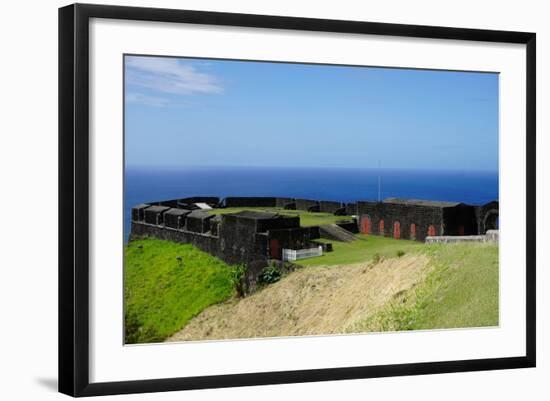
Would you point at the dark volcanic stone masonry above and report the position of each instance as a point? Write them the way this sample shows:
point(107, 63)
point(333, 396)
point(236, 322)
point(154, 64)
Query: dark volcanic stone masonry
point(417, 219)
point(254, 237)
point(154, 214)
point(175, 218)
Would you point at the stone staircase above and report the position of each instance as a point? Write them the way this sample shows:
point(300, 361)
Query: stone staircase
point(336, 233)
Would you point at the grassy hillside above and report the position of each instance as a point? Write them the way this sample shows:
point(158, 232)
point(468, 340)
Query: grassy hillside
point(166, 284)
point(429, 287)
point(460, 291)
point(306, 218)
point(310, 301)
point(177, 292)
point(367, 247)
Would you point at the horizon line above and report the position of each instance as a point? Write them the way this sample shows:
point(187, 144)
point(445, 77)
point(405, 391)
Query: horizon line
point(175, 167)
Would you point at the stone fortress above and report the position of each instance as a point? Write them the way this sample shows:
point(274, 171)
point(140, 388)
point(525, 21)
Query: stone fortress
point(254, 237)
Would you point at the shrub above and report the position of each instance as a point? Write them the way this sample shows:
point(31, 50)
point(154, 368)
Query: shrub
point(237, 279)
point(269, 275)
point(400, 253)
point(376, 258)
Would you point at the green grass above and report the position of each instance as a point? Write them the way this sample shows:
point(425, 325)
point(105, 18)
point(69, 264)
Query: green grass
point(367, 247)
point(461, 288)
point(460, 291)
point(307, 219)
point(161, 293)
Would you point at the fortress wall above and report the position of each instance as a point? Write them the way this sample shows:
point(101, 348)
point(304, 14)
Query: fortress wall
point(492, 236)
point(239, 242)
point(231, 248)
point(306, 204)
point(263, 201)
point(176, 218)
point(351, 226)
point(138, 212)
point(329, 206)
point(210, 200)
point(169, 203)
point(484, 213)
point(294, 238)
point(205, 242)
point(252, 201)
point(351, 209)
point(282, 202)
point(341, 212)
point(286, 222)
point(198, 224)
point(460, 220)
point(155, 214)
point(421, 216)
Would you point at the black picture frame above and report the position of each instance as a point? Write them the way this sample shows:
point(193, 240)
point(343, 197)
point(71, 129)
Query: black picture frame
point(74, 198)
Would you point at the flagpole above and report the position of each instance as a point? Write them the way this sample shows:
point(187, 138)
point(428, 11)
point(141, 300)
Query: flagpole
point(378, 180)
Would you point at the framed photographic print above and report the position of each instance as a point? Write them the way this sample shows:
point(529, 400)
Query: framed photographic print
point(251, 199)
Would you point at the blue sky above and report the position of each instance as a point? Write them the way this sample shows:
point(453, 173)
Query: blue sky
point(197, 112)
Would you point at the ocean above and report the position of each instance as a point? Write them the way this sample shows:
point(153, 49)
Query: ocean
point(338, 184)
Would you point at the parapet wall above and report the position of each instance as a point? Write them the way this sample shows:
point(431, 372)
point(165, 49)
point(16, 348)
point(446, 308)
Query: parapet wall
point(250, 201)
point(491, 236)
point(205, 242)
point(234, 238)
point(249, 238)
point(311, 205)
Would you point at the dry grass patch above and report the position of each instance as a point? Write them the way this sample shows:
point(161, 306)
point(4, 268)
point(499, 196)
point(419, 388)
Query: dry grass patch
point(311, 301)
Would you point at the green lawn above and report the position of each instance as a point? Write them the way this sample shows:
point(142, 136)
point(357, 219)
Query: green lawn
point(463, 289)
point(365, 248)
point(161, 293)
point(307, 219)
point(460, 291)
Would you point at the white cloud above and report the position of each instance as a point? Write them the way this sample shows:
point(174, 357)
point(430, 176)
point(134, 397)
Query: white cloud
point(147, 100)
point(169, 75)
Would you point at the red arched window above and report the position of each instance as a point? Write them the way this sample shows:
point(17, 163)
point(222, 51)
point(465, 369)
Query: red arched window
point(365, 225)
point(431, 230)
point(396, 229)
point(381, 227)
point(413, 231)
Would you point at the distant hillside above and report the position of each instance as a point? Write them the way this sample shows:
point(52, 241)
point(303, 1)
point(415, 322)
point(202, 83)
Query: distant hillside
point(436, 286)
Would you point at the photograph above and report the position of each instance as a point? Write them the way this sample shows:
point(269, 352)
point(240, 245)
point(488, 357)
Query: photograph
point(268, 199)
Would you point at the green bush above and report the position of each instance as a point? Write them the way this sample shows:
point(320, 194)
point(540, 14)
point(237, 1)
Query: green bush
point(269, 275)
point(400, 253)
point(238, 279)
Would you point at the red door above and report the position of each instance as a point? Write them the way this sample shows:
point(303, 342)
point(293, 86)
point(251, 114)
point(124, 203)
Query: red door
point(431, 230)
point(413, 231)
point(381, 227)
point(274, 249)
point(396, 229)
point(460, 230)
point(365, 225)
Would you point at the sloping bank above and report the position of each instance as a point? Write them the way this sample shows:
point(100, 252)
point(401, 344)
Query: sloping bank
point(166, 284)
point(436, 286)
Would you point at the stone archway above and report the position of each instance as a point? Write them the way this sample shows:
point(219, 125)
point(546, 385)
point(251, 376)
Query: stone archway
point(365, 224)
point(490, 221)
point(396, 229)
point(412, 234)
